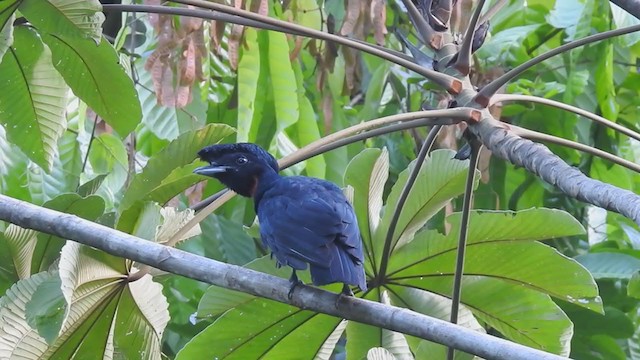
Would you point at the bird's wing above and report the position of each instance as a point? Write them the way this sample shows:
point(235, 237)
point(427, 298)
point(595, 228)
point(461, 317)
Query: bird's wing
point(302, 227)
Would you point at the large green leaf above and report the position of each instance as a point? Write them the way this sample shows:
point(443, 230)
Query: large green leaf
point(95, 76)
point(262, 328)
point(33, 111)
point(69, 18)
point(501, 245)
point(515, 311)
point(248, 74)
point(367, 173)
point(440, 179)
point(179, 152)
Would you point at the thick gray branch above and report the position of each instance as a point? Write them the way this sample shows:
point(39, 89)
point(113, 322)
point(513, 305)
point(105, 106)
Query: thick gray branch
point(630, 6)
point(539, 160)
point(234, 277)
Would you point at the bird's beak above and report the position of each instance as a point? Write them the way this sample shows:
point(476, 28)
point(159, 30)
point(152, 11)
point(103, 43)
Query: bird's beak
point(211, 170)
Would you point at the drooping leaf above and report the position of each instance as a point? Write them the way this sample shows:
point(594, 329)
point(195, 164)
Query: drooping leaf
point(179, 152)
point(68, 18)
point(33, 111)
point(45, 312)
point(248, 74)
point(95, 76)
point(283, 81)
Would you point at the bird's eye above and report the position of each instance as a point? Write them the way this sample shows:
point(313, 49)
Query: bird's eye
point(241, 160)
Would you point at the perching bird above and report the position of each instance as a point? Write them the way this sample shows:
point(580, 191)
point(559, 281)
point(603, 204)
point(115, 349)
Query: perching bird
point(303, 220)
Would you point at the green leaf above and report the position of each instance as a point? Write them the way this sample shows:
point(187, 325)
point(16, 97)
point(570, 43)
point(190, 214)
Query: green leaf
point(373, 94)
point(607, 265)
point(45, 312)
point(66, 18)
point(283, 81)
point(95, 76)
point(440, 179)
point(179, 152)
point(520, 314)
point(501, 245)
point(236, 246)
point(262, 328)
point(91, 186)
point(178, 180)
point(33, 111)
point(367, 173)
point(248, 74)
point(306, 128)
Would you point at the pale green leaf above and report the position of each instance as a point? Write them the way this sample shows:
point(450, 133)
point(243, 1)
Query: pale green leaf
point(379, 353)
point(17, 338)
point(21, 243)
point(607, 265)
point(33, 111)
point(327, 349)
point(81, 18)
point(367, 173)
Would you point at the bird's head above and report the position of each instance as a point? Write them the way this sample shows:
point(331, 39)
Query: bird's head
point(238, 166)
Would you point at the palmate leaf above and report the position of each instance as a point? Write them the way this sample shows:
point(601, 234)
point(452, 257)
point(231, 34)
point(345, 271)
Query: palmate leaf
point(441, 179)
point(105, 312)
point(33, 111)
point(503, 284)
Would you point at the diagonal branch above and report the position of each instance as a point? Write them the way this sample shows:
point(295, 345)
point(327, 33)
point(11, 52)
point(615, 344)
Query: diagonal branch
point(539, 160)
point(237, 278)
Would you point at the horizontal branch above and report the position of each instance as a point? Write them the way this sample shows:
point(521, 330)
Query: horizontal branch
point(539, 160)
point(238, 278)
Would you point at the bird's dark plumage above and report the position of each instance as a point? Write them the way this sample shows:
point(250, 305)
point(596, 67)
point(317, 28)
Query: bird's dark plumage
point(303, 220)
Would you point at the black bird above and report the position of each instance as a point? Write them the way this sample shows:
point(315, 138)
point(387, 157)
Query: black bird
point(303, 220)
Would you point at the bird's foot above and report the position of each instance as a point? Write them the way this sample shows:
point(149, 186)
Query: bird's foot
point(346, 292)
point(294, 282)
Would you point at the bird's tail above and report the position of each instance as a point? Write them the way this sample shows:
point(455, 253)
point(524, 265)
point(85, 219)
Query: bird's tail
point(342, 268)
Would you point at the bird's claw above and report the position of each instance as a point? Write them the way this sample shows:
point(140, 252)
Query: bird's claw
point(346, 292)
point(294, 284)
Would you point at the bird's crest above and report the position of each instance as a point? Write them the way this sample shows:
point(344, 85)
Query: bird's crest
point(216, 151)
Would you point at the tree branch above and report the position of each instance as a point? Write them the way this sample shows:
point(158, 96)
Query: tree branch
point(237, 278)
point(539, 160)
